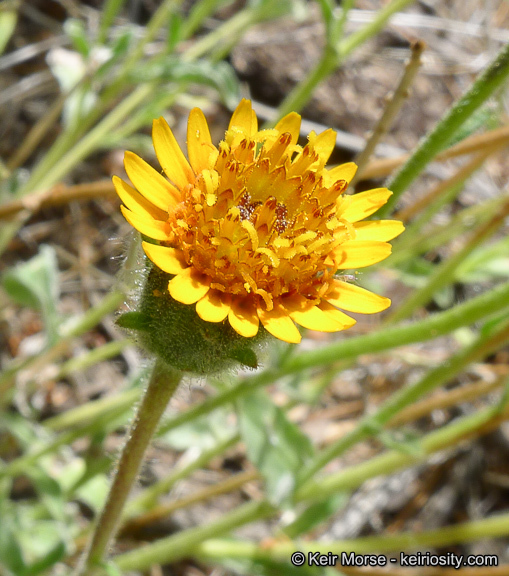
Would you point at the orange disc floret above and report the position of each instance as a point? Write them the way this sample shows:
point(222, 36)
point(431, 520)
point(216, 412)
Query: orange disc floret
point(256, 229)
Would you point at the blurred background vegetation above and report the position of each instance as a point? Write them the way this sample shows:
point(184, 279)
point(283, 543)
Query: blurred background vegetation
point(390, 437)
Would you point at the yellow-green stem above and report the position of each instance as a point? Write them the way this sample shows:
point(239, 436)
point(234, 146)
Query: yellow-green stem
point(332, 58)
point(494, 527)
point(160, 389)
point(189, 542)
point(437, 140)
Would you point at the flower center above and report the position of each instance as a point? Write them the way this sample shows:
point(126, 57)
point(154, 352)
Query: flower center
point(258, 227)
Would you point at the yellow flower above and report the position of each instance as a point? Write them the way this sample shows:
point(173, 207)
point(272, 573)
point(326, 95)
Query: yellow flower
point(257, 229)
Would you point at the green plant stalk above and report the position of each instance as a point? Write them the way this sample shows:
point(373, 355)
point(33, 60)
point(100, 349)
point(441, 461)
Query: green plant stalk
point(356, 39)
point(183, 544)
point(439, 324)
point(188, 542)
point(447, 191)
point(69, 150)
point(158, 19)
point(88, 321)
point(444, 273)
point(94, 315)
point(149, 497)
point(374, 423)
point(108, 14)
point(393, 105)
point(93, 139)
point(62, 145)
point(494, 250)
point(492, 78)
point(44, 175)
point(496, 526)
point(226, 397)
point(199, 12)
point(333, 57)
point(339, 29)
point(260, 13)
point(139, 118)
point(37, 132)
point(165, 510)
point(232, 27)
point(93, 357)
point(301, 94)
point(421, 242)
point(103, 423)
point(84, 414)
point(160, 389)
point(393, 460)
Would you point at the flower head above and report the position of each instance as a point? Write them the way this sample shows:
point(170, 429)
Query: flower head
point(256, 230)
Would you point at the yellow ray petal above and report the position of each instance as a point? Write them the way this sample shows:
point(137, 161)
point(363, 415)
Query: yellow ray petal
point(199, 142)
point(336, 314)
point(243, 318)
point(170, 155)
point(360, 206)
point(169, 260)
point(342, 172)
point(382, 230)
point(310, 316)
point(324, 144)
point(360, 253)
point(355, 299)
point(150, 183)
point(290, 123)
point(214, 306)
point(279, 324)
point(149, 227)
point(188, 287)
point(244, 119)
point(136, 202)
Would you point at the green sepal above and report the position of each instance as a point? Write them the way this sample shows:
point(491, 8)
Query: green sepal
point(180, 338)
point(245, 356)
point(134, 321)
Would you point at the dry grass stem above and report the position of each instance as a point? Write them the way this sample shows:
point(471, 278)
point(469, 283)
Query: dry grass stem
point(394, 103)
point(445, 399)
point(384, 166)
point(409, 212)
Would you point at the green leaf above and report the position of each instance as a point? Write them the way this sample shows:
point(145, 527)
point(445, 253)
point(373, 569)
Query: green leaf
point(122, 43)
point(49, 491)
point(75, 30)
point(275, 445)
point(50, 558)
point(94, 492)
point(35, 284)
point(203, 433)
point(327, 9)
point(11, 555)
point(488, 262)
point(174, 31)
point(19, 428)
point(219, 75)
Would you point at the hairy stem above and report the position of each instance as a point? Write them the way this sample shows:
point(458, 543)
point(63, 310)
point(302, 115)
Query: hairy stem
point(160, 389)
